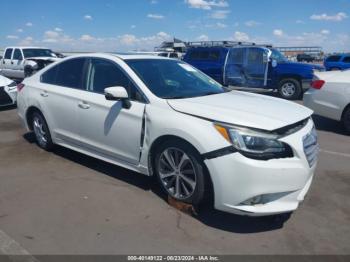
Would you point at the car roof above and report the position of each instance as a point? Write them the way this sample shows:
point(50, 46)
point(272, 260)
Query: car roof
point(121, 56)
point(27, 47)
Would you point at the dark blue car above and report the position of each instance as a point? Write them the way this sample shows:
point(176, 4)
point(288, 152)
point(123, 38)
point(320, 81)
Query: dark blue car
point(337, 62)
point(252, 66)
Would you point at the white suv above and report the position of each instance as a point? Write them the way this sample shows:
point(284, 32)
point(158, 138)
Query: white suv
point(162, 117)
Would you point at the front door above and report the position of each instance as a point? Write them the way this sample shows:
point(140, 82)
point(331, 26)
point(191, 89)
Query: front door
point(105, 127)
point(17, 63)
point(233, 69)
point(256, 67)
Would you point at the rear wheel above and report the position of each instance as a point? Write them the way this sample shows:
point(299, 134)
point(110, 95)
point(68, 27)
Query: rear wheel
point(346, 120)
point(180, 171)
point(41, 131)
point(290, 89)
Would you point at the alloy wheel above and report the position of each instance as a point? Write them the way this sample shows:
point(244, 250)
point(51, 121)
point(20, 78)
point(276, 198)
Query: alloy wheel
point(39, 131)
point(177, 173)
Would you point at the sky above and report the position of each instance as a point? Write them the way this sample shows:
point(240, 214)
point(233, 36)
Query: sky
point(118, 25)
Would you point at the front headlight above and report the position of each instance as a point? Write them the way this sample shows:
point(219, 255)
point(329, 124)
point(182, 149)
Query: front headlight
point(255, 144)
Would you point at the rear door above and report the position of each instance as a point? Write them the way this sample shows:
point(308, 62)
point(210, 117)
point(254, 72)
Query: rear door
point(60, 91)
point(7, 63)
point(346, 62)
point(105, 127)
point(233, 70)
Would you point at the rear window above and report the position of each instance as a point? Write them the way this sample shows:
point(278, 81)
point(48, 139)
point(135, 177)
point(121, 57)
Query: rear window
point(68, 74)
point(346, 59)
point(334, 58)
point(205, 55)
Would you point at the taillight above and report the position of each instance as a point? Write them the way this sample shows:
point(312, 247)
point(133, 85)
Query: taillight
point(20, 87)
point(318, 84)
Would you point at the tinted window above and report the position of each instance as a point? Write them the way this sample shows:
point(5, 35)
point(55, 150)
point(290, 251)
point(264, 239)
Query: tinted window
point(68, 74)
point(236, 56)
point(171, 79)
point(334, 58)
point(103, 74)
point(49, 77)
point(173, 55)
point(17, 55)
point(204, 55)
point(8, 53)
point(31, 52)
point(255, 56)
point(346, 59)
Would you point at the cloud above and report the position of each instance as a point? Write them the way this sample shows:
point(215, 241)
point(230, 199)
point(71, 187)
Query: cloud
point(335, 18)
point(51, 34)
point(19, 30)
point(12, 37)
point(278, 32)
point(325, 32)
point(155, 16)
point(133, 26)
point(57, 29)
point(26, 41)
point(29, 24)
point(128, 39)
point(153, 2)
point(299, 22)
point(202, 38)
point(252, 23)
point(87, 17)
point(220, 14)
point(87, 38)
point(206, 4)
point(240, 36)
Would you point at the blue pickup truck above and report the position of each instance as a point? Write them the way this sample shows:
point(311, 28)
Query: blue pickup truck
point(249, 65)
point(337, 62)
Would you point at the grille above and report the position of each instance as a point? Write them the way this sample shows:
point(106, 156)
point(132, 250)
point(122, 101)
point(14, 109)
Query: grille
point(5, 99)
point(311, 147)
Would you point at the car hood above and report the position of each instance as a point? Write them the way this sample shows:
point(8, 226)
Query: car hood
point(306, 66)
point(4, 81)
point(41, 58)
point(243, 109)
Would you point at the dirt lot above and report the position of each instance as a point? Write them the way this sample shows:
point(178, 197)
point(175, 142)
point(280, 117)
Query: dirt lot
point(67, 203)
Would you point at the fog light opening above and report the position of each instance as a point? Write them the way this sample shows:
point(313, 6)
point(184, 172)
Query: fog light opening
point(253, 201)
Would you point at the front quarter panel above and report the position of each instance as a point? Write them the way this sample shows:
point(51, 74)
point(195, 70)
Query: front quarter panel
point(164, 121)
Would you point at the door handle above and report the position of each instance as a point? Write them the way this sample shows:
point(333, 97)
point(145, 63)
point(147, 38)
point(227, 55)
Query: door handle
point(84, 105)
point(44, 94)
point(11, 62)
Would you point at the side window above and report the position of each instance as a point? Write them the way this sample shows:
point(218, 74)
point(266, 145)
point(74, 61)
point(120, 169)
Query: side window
point(8, 53)
point(334, 58)
point(49, 77)
point(17, 55)
point(236, 56)
point(346, 59)
point(70, 73)
point(255, 56)
point(103, 74)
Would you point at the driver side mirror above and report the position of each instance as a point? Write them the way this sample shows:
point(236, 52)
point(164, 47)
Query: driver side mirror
point(118, 93)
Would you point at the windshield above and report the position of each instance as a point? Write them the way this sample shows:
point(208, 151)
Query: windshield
point(31, 52)
point(170, 79)
point(278, 56)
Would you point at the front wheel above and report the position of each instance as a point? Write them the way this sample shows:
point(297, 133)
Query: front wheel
point(290, 89)
point(180, 171)
point(346, 120)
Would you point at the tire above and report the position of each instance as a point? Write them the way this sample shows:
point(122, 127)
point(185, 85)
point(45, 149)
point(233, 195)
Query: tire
point(191, 188)
point(41, 131)
point(346, 120)
point(289, 89)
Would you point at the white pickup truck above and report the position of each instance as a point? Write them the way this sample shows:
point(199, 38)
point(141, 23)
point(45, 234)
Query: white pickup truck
point(20, 62)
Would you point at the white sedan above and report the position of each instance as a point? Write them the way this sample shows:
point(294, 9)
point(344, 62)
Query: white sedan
point(8, 91)
point(330, 96)
point(162, 117)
